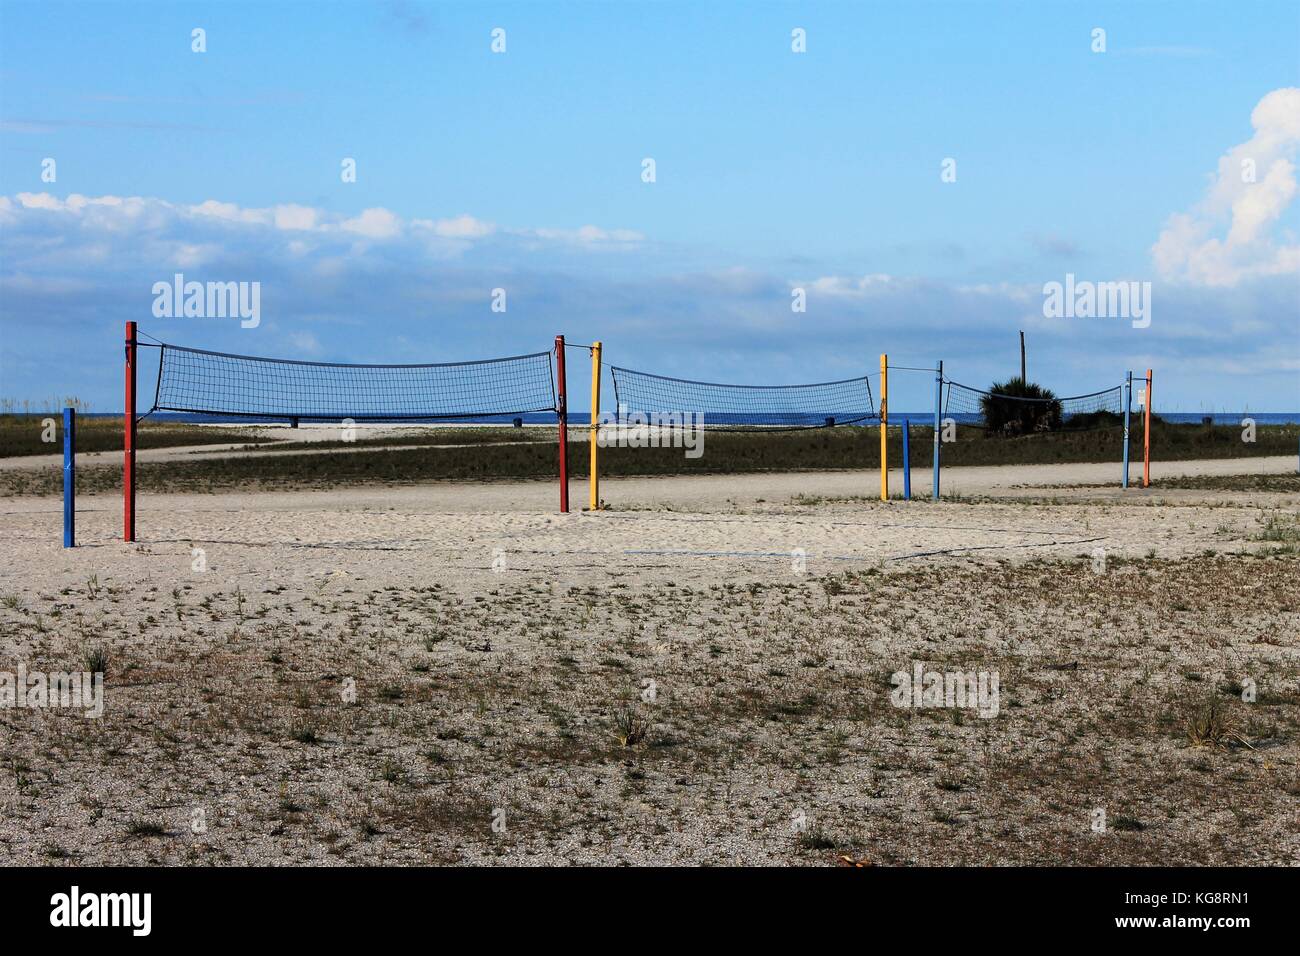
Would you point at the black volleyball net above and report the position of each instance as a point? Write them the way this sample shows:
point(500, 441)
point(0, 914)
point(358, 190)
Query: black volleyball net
point(658, 399)
point(1002, 413)
point(219, 383)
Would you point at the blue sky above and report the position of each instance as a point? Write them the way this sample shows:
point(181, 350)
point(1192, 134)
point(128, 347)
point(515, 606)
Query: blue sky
point(775, 170)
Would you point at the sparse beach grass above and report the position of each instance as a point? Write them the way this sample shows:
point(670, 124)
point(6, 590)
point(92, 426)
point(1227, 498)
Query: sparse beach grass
point(492, 454)
point(523, 700)
point(24, 435)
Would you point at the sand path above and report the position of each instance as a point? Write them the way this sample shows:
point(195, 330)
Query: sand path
point(702, 528)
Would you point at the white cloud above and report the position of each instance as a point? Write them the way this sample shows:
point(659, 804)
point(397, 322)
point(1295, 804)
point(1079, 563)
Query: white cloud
point(158, 218)
point(1188, 248)
point(42, 201)
point(188, 255)
point(376, 223)
point(295, 217)
point(849, 286)
point(306, 343)
point(230, 212)
point(81, 265)
point(464, 226)
point(596, 234)
point(589, 235)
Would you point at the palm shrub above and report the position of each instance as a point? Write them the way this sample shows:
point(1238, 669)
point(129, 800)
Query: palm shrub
point(1017, 407)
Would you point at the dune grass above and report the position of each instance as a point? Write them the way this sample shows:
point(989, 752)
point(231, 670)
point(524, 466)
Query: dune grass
point(1169, 442)
point(502, 454)
point(409, 437)
point(25, 435)
point(1266, 483)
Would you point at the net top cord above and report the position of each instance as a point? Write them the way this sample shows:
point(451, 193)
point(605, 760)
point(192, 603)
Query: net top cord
point(642, 397)
point(221, 383)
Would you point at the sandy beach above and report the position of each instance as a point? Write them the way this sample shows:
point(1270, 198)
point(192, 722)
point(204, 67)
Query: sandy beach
point(456, 673)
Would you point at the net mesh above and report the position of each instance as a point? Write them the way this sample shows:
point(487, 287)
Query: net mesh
point(193, 380)
point(1016, 415)
point(741, 407)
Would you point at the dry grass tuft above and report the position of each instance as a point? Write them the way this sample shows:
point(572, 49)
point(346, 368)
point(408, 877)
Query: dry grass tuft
point(1210, 723)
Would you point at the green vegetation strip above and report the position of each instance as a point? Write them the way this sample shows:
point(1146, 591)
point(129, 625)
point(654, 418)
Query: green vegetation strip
point(418, 436)
point(724, 453)
point(20, 436)
point(1271, 483)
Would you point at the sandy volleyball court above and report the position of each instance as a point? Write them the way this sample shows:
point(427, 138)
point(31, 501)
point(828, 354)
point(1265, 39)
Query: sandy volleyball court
point(455, 673)
point(696, 525)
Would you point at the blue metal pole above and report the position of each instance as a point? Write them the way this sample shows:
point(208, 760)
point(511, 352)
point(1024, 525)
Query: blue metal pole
point(69, 478)
point(938, 400)
point(907, 461)
point(1128, 407)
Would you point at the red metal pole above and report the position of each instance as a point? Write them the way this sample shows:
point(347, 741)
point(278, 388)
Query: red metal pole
point(562, 410)
point(128, 464)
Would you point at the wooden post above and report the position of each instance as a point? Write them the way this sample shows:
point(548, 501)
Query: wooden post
point(1022, 357)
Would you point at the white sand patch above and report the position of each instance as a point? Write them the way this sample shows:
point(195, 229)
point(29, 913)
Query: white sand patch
point(705, 528)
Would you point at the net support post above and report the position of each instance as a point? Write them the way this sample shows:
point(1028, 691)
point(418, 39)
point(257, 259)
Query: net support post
point(1146, 435)
point(884, 427)
point(562, 418)
point(1128, 408)
point(938, 401)
point(593, 479)
point(69, 477)
point(128, 439)
point(907, 460)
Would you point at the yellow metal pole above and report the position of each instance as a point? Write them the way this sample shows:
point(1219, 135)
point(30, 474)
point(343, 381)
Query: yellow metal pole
point(593, 482)
point(884, 423)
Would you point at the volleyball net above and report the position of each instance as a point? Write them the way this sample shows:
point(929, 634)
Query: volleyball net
point(214, 384)
point(225, 385)
point(1010, 413)
point(218, 383)
point(643, 398)
point(1097, 423)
